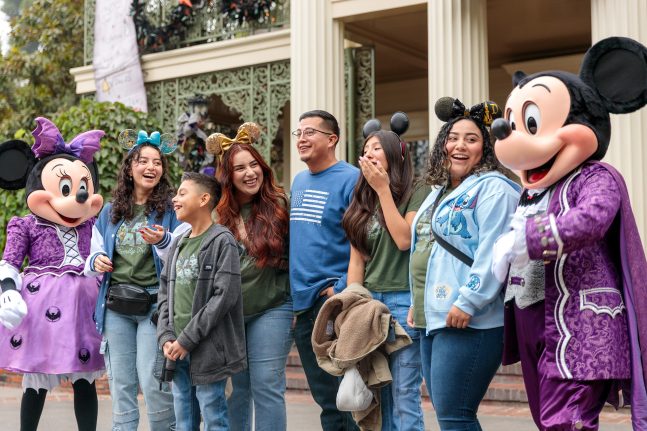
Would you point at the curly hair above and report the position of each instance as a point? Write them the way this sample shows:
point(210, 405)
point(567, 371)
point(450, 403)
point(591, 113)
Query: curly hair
point(365, 200)
point(439, 164)
point(123, 194)
point(267, 226)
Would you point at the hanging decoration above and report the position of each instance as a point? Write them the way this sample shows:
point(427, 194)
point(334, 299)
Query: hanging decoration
point(191, 137)
point(151, 39)
point(248, 10)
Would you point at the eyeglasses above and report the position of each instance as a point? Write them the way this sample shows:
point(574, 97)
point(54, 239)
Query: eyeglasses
point(309, 132)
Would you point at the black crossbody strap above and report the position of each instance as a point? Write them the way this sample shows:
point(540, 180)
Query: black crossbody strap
point(441, 241)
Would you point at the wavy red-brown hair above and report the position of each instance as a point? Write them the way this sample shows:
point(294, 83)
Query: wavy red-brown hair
point(267, 226)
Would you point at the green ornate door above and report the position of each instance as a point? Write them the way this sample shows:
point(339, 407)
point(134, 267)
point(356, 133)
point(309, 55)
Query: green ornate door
point(258, 93)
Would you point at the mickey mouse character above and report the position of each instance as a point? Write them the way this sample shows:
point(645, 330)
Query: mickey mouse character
point(46, 311)
point(576, 300)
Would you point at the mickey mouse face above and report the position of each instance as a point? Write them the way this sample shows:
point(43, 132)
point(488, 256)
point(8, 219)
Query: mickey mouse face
point(33, 287)
point(84, 355)
point(554, 121)
point(15, 341)
point(53, 314)
point(541, 147)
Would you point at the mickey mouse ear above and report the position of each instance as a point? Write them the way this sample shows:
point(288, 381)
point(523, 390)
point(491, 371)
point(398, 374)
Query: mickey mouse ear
point(399, 123)
point(127, 139)
point(168, 143)
point(16, 162)
point(372, 125)
point(444, 108)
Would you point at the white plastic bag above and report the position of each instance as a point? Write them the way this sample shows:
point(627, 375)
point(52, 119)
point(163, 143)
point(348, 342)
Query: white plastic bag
point(353, 395)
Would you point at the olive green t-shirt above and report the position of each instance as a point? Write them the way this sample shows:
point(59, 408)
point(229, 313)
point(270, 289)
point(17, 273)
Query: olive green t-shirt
point(133, 258)
point(186, 278)
point(419, 262)
point(387, 270)
point(263, 288)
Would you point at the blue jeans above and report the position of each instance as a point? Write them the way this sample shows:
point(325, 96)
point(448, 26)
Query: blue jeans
point(401, 400)
point(323, 386)
point(259, 391)
point(211, 401)
point(131, 355)
point(458, 365)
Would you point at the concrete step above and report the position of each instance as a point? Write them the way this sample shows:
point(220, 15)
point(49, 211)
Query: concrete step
point(507, 385)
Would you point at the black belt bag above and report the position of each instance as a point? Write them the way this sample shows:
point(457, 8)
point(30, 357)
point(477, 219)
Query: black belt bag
point(130, 299)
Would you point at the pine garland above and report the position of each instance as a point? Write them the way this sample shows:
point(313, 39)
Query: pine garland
point(151, 39)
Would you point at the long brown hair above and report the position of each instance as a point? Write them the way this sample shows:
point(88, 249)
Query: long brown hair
point(123, 202)
point(267, 226)
point(365, 200)
point(439, 163)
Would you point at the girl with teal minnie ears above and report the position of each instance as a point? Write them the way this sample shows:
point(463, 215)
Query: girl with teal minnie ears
point(139, 216)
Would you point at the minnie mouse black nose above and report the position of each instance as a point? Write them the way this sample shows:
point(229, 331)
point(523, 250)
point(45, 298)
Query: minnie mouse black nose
point(82, 196)
point(501, 128)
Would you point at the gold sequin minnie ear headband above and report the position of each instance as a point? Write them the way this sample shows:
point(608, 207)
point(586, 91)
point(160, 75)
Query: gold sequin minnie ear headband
point(217, 143)
point(448, 108)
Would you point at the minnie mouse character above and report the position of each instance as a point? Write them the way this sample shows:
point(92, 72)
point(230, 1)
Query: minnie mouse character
point(49, 332)
point(576, 302)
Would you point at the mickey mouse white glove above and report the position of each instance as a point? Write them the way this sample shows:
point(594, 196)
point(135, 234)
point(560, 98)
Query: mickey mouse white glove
point(12, 309)
point(510, 247)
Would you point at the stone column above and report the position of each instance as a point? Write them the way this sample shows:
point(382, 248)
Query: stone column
point(628, 147)
point(316, 68)
point(458, 54)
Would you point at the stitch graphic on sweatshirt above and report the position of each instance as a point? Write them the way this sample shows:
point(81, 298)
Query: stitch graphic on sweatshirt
point(474, 283)
point(454, 214)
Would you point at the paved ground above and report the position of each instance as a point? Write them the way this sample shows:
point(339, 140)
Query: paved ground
point(303, 414)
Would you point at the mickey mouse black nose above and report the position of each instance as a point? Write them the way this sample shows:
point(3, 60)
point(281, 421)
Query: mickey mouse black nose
point(82, 196)
point(501, 128)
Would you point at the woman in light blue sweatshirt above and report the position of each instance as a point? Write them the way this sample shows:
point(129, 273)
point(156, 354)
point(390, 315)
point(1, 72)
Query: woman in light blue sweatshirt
point(457, 302)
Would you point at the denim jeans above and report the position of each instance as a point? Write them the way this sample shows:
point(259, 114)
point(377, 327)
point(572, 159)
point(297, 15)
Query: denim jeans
point(401, 400)
point(458, 365)
point(132, 356)
point(323, 386)
point(259, 391)
point(211, 401)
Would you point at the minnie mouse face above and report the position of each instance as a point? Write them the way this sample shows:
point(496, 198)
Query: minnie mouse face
point(66, 195)
point(542, 147)
point(60, 179)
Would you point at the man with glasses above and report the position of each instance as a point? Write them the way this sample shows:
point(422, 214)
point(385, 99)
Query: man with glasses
point(319, 250)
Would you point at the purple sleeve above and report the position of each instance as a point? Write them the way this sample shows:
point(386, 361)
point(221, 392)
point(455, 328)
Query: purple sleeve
point(18, 241)
point(596, 203)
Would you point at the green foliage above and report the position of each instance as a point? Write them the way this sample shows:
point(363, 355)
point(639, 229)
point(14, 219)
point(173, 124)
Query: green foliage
point(46, 41)
point(112, 118)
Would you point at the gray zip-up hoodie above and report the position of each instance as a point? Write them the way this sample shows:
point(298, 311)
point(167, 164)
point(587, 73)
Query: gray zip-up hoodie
point(215, 335)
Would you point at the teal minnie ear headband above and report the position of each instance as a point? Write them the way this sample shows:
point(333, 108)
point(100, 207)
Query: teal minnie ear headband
point(129, 139)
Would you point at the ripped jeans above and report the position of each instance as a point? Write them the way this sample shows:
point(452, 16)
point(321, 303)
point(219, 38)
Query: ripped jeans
point(131, 355)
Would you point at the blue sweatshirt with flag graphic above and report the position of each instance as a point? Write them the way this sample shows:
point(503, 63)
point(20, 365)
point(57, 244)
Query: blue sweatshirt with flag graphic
point(319, 249)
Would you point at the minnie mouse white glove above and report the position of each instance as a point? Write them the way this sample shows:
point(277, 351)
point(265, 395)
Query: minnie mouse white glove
point(12, 309)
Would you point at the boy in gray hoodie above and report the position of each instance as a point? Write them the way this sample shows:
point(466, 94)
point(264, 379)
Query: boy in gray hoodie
point(200, 324)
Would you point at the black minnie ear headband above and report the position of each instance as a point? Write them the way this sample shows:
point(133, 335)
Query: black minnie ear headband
point(448, 108)
point(399, 125)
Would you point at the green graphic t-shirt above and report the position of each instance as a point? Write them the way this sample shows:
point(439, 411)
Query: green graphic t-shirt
point(263, 288)
point(186, 277)
point(419, 262)
point(133, 258)
point(388, 268)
